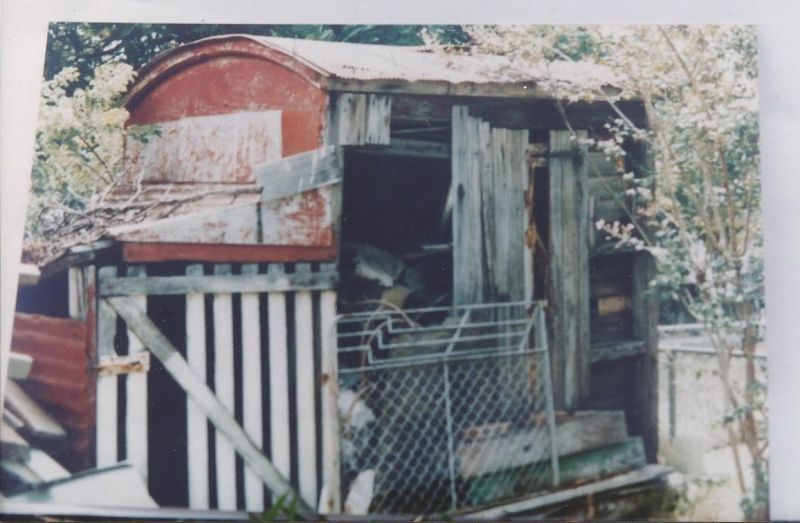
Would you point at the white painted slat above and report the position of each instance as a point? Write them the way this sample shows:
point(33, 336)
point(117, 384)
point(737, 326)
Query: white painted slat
point(251, 389)
point(136, 397)
point(332, 504)
point(224, 389)
point(306, 420)
point(278, 379)
point(106, 399)
point(196, 422)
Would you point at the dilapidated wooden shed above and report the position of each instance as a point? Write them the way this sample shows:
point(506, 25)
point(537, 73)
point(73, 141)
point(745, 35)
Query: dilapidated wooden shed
point(290, 186)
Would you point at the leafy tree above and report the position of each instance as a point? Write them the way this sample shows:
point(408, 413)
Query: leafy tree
point(700, 201)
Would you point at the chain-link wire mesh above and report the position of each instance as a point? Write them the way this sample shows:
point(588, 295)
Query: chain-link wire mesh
point(444, 409)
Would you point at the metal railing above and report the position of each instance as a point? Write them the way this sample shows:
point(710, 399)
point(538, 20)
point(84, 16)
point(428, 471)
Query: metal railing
point(444, 408)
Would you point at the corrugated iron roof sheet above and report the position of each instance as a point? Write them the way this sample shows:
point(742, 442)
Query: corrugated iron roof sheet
point(369, 62)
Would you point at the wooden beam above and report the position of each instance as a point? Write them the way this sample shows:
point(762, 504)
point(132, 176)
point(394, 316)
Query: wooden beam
point(19, 365)
point(250, 282)
point(301, 172)
point(136, 412)
point(407, 148)
point(106, 400)
point(569, 268)
point(642, 475)
point(305, 380)
point(135, 252)
point(36, 420)
point(645, 327)
point(617, 349)
point(225, 423)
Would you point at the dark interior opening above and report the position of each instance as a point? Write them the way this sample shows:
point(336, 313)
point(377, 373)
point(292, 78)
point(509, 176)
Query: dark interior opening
point(396, 231)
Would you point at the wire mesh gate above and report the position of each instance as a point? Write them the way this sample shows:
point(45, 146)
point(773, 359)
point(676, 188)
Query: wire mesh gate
point(444, 408)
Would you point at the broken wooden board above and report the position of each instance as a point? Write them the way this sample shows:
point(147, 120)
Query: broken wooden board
point(217, 149)
point(38, 423)
point(583, 467)
point(584, 431)
point(638, 476)
point(360, 119)
point(300, 173)
point(13, 447)
point(19, 365)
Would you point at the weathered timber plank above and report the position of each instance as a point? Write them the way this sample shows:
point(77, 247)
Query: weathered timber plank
point(224, 378)
point(255, 283)
point(615, 350)
point(106, 402)
point(13, 447)
point(299, 173)
point(251, 388)
point(361, 119)
point(407, 147)
point(278, 376)
point(196, 422)
point(136, 394)
point(332, 503)
point(569, 267)
point(587, 466)
point(233, 225)
point(585, 431)
point(19, 365)
point(306, 405)
point(208, 403)
point(36, 420)
point(641, 475)
point(645, 327)
point(468, 159)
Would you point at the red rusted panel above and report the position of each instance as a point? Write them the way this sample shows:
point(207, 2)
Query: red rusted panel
point(61, 378)
point(233, 74)
point(158, 252)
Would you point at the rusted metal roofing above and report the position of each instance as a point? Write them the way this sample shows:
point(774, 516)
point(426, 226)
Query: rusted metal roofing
point(369, 62)
point(61, 378)
point(343, 66)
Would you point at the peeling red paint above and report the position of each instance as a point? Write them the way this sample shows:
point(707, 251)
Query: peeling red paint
point(61, 378)
point(221, 77)
point(158, 252)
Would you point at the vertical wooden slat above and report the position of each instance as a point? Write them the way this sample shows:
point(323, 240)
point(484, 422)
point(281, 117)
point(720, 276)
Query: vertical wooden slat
point(278, 378)
point(361, 119)
point(569, 268)
point(136, 396)
point(76, 293)
point(304, 378)
point(224, 390)
point(196, 422)
point(645, 327)
point(465, 195)
point(251, 389)
point(330, 415)
point(106, 399)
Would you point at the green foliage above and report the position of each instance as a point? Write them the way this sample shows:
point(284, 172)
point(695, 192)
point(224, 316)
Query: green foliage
point(284, 509)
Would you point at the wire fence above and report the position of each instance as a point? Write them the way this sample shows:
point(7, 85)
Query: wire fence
point(692, 405)
point(446, 408)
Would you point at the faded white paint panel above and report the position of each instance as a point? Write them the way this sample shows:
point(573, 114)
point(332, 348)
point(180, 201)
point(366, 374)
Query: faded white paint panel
point(278, 379)
point(304, 219)
point(218, 148)
point(236, 224)
point(306, 426)
point(136, 396)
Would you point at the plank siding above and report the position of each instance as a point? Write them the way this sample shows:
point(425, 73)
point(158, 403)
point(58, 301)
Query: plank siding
point(569, 268)
point(136, 395)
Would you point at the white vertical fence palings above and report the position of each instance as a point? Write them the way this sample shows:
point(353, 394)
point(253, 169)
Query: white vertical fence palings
point(196, 422)
point(224, 389)
point(305, 380)
point(330, 415)
point(278, 379)
point(136, 397)
point(251, 389)
point(106, 398)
